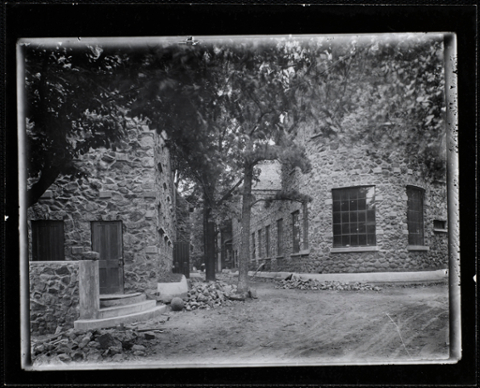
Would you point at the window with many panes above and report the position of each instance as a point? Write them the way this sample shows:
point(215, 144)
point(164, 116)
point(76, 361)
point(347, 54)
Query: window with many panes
point(267, 241)
point(354, 216)
point(253, 246)
point(260, 243)
point(415, 215)
point(296, 231)
point(280, 237)
point(48, 241)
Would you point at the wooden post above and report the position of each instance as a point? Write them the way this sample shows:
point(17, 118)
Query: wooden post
point(89, 289)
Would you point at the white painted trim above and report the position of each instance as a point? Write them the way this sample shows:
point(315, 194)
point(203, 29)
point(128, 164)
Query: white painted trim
point(418, 248)
point(63, 262)
point(355, 249)
point(305, 252)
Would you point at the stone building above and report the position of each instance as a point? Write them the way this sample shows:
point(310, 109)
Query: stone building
point(367, 214)
point(224, 243)
point(125, 211)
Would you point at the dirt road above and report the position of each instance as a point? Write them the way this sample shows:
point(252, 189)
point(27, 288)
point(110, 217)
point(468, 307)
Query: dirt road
point(295, 326)
point(281, 327)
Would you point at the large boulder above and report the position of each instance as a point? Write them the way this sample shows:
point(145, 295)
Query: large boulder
point(177, 304)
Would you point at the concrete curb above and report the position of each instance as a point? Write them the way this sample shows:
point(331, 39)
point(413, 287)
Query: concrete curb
point(372, 277)
point(89, 324)
point(168, 291)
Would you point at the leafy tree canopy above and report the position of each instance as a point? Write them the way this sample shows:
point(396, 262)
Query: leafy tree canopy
point(229, 104)
point(386, 91)
point(73, 104)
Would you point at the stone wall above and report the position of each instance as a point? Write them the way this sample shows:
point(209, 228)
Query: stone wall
point(133, 185)
point(165, 204)
point(341, 167)
point(54, 296)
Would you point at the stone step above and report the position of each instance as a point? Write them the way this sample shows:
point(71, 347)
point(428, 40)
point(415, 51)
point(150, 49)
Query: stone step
point(110, 300)
point(117, 311)
point(88, 324)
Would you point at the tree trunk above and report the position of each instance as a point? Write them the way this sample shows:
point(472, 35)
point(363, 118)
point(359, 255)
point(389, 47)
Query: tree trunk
point(245, 233)
point(47, 178)
point(210, 253)
point(208, 242)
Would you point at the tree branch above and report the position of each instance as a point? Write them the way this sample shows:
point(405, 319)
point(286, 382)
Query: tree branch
point(267, 152)
point(47, 178)
point(229, 192)
point(282, 196)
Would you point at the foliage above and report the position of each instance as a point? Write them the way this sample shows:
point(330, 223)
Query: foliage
point(70, 109)
point(282, 195)
point(177, 90)
point(386, 91)
point(227, 105)
point(222, 107)
point(261, 88)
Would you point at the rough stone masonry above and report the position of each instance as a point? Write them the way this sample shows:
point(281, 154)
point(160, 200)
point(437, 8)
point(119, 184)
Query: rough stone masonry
point(336, 167)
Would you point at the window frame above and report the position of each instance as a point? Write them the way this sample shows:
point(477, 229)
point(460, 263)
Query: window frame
point(352, 208)
point(55, 245)
point(296, 232)
point(259, 233)
point(442, 228)
point(267, 241)
point(280, 237)
point(253, 246)
point(415, 216)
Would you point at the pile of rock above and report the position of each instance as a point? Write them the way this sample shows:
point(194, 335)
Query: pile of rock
point(313, 284)
point(97, 345)
point(207, 295)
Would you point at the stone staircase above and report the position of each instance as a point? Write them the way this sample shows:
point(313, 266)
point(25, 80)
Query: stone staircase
point(116, 309)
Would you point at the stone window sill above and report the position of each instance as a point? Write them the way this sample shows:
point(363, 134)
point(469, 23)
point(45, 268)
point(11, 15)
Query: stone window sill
point(305, 252)
point(418, 248)
point(52, 261)
point(440, 230)
point(355, 249)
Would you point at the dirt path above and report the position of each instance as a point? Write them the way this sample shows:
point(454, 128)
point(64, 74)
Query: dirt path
point(281, 327)
point(294, 326)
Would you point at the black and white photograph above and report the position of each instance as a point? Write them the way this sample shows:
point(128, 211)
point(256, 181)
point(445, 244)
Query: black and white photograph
point(238, 201)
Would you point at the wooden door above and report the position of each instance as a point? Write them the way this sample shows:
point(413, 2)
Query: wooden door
point(107, 240)
point(181, 258)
